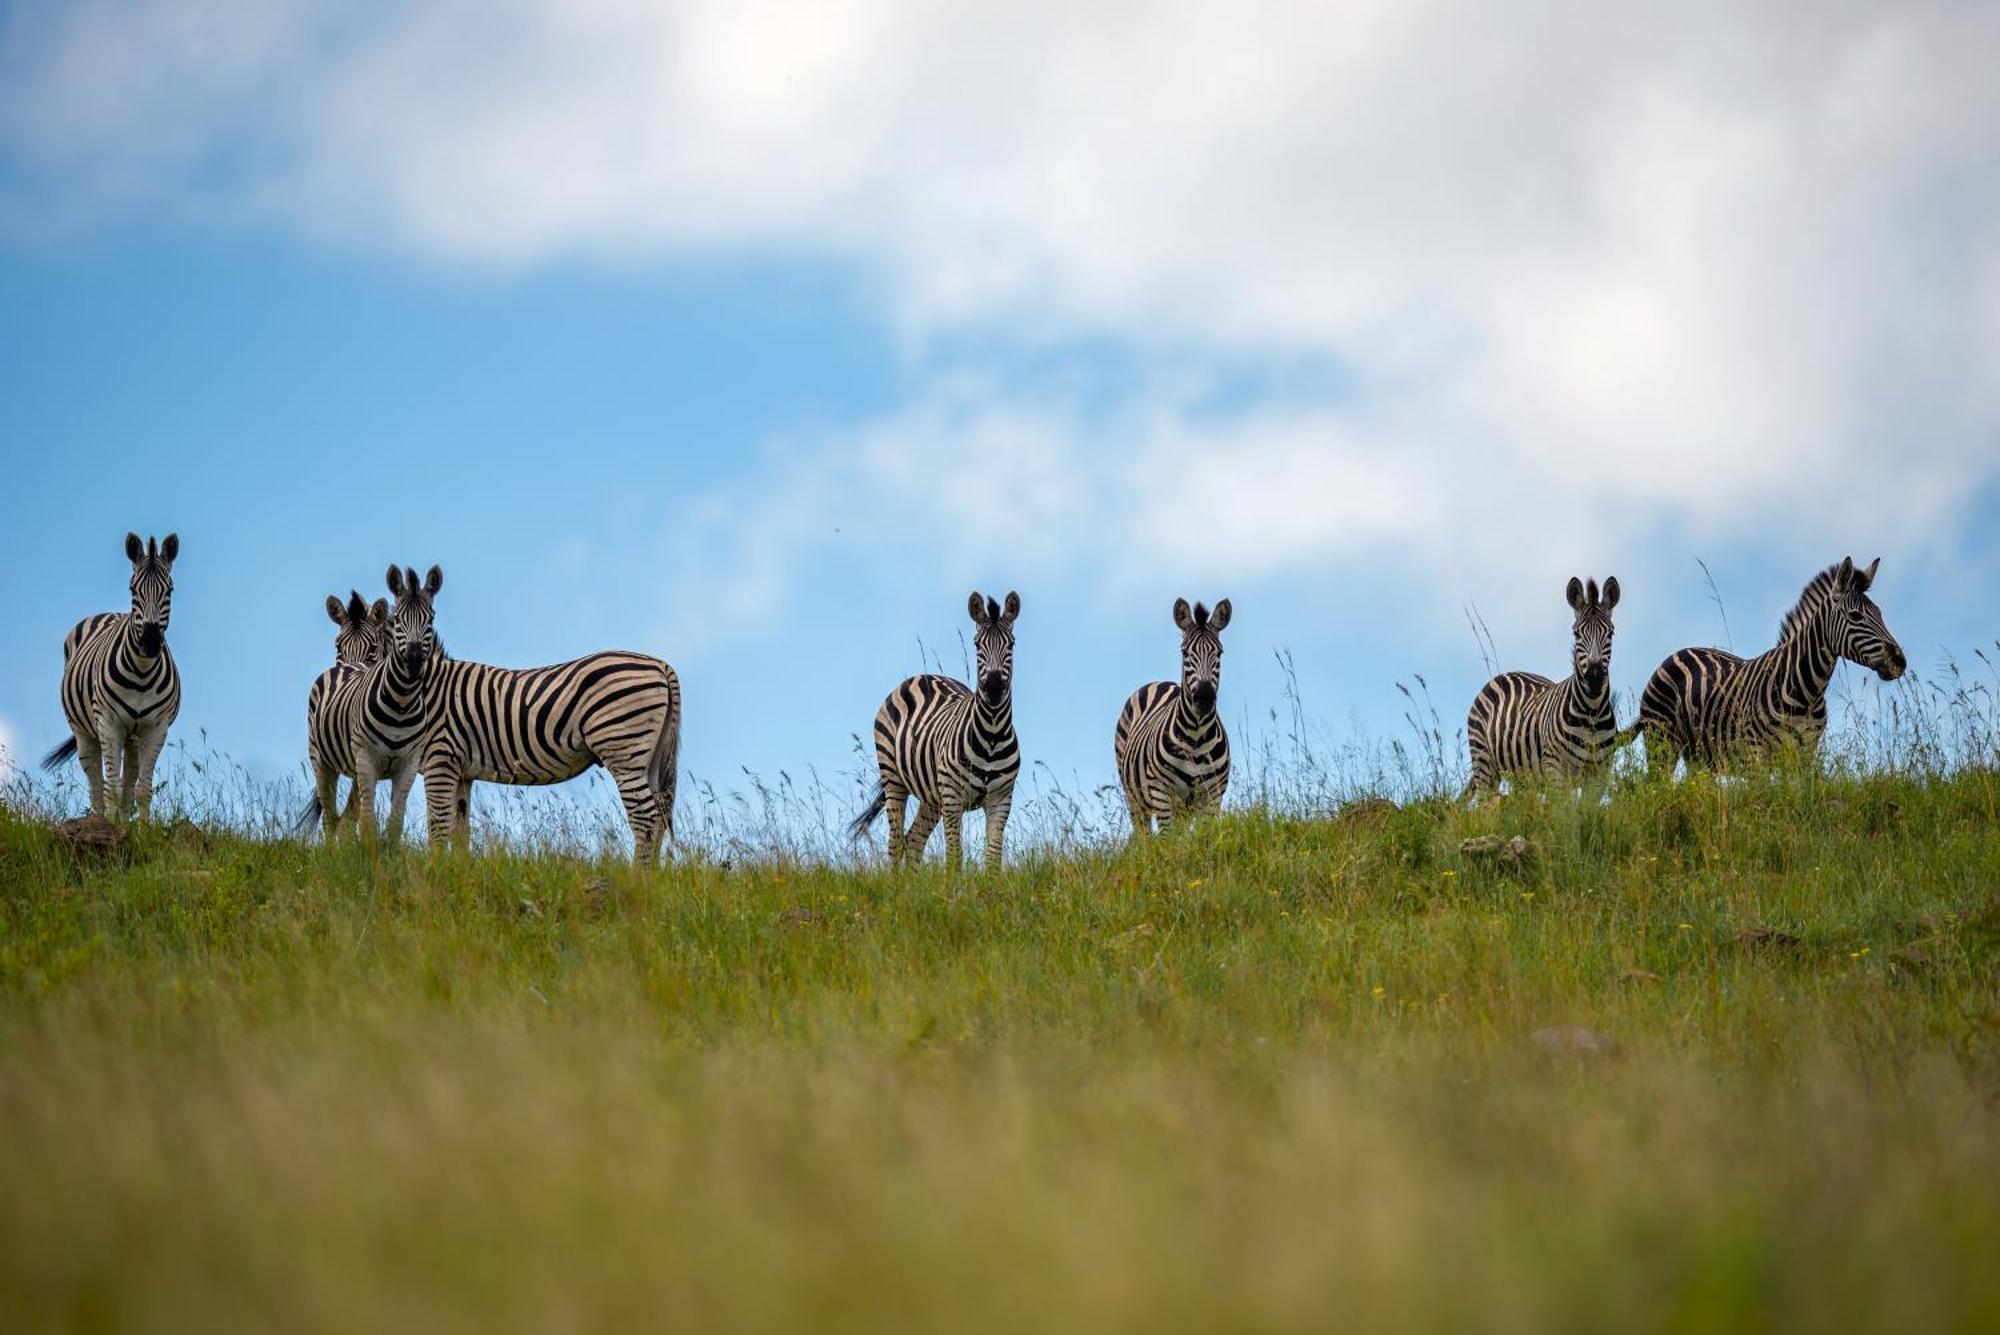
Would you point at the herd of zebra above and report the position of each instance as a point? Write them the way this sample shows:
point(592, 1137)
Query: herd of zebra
point(394, 706)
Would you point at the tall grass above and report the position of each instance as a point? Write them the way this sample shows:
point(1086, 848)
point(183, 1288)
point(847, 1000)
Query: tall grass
point(1702, 1056)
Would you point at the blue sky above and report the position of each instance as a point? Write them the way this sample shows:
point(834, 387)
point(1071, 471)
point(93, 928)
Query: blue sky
point(756, 341)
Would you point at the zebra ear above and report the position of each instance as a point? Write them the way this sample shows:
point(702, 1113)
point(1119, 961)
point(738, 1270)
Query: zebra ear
point(975, 606)
point(170, 549)
point(1610, 592)
point(336, 610)
point(433, 580)
point(1012, 610)
point(1845, 579)
point(1220, 616)
point(379, 613)
point(1866, 578)
point(1575, 594)
point(134, 549)
point(1183, 615)
point(396, 580)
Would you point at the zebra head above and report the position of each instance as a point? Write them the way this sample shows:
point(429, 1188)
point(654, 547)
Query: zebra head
point(152, 588)
point(1201, 651)
point(994, 641)
point(1863, 636)
point(1590, 654)
point(362, 632)
point(415, 613)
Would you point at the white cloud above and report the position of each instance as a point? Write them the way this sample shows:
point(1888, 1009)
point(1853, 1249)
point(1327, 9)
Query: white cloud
point(1732, 268)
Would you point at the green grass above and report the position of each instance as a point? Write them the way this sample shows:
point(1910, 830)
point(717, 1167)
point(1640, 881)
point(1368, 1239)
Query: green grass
point(1271, 1075)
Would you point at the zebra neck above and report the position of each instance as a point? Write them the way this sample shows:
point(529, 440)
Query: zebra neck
point(1588, 702)
point(395, 684)
point(993, 720)
point(131, 657)
point(1189, 722)
point(1806, 661)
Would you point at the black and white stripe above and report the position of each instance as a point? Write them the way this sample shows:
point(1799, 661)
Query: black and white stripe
point(370, 723)
point(545, 725)
point(1522, 723)
point(952, 748)
point(120, 689)
point(361, 637)
point(1171, 748)
point(1710, 707)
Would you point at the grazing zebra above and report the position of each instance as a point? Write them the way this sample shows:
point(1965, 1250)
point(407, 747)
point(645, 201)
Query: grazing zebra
point(1522, 723)
point(548, 724)
point(370, 723)
point(1171, 748)
point(361, 637)
point(120, 689)
point(1710, 707)
point(952, 747)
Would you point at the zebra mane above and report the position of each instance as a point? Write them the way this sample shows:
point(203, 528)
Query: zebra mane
point(1817, 591)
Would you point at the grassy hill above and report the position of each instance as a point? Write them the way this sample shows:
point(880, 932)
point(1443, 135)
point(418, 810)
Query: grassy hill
point(1706, 1057)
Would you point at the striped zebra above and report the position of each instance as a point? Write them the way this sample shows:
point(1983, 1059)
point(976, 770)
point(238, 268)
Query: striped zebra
point(120, 689)
point(1171, 748)
point(1523, 723)
point(1709, 707)
point(951, 747)
point(361, 637)
point(548, 724)
point(369, 724)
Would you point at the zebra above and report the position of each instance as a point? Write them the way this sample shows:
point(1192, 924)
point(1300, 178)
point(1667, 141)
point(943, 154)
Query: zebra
point(544, 725)
point(370, 723)
point(1170, 746)
point(1710, 707)
point(951, 747)
point(361, 637)
point(120, 688)
point(1523, 723)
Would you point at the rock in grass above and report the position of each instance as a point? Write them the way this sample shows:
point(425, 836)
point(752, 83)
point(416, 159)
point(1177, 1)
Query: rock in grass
point(1573, 1042)
point(1767, 938)
point(1492, 848)
point(92, 838)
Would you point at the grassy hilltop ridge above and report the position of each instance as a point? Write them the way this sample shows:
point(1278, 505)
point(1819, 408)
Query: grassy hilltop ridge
point(1274, 1074)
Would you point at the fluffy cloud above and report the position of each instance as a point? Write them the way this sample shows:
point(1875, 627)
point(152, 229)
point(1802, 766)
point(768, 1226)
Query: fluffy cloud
point(1712, 266)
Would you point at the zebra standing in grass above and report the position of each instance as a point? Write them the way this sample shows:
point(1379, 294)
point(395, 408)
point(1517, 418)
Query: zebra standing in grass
point(370, 725)
point(1170, 745)
point(120, 689)
point(1522, 723)
point(1709, 707)
point(951, 747)
point(361, 637)
point(545, 725)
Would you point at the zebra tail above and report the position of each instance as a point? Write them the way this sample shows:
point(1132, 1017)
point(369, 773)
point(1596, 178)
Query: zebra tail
point(60, 754)
point(859, 825)
point(1625, 737)
point(667, 753)
point(306, 818)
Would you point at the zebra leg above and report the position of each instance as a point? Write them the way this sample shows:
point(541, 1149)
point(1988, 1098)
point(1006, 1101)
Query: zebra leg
point(111, 747)
point(462, 809)
point(895, 801)
point(148, 746)
point(642, 812)
point(444, 798)
point(998, 804)
point(954, 829)
point(920, 832)
point(90, 753)
point(327, 784)
point(400, 780)
point(365, 779)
